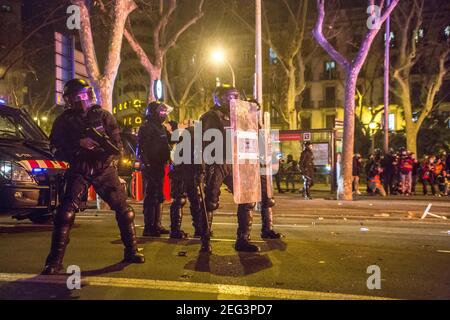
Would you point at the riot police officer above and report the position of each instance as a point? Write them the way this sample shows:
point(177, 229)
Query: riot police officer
point(217, 174)
point(154, 151)
point(185, 179)
point(307, 169)
point(92, 162)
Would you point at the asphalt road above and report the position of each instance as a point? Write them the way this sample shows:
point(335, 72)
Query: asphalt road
point(328, 248)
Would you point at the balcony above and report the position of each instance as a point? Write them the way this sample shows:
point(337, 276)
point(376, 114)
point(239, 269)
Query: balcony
point(330, 104)
point(307, 104)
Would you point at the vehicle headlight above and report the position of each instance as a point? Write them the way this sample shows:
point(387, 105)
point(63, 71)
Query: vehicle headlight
point(15, 173)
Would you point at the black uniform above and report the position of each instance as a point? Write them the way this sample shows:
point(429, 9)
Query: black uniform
point(307, 169)
point(88, 167)
point(184, 183)
point(154, 151)
point(215, 176)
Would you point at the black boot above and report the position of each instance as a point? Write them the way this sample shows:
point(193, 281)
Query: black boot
point(307, 191)
point(205, 229)
point(176, 217)
point(125, 221)
point(149, 221)
point(267, 231)
point(60, 239)
point(245, 219)
point(158, 216)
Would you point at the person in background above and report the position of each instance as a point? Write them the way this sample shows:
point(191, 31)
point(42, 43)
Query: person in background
point(307, 169)
point(374, 176)
point(367, 171)
point(356, 172)
point(290, 173)
point(428, 172)
point(405, 169)
point(388, 171)
point(279, 175)
point(415, 172)
point(440, 177)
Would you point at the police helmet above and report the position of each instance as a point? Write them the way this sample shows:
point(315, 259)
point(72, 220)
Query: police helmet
point(158, 110)
point(224, 90)
point(76, 91)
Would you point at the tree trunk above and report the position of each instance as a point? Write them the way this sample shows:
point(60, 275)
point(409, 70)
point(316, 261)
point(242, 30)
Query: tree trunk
point(105, 91)
point(411, 128)
point(349, 129)
point(290, 112)
point(154, 74)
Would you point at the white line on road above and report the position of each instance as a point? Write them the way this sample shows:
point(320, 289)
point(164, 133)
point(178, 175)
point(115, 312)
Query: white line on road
point(258, 224)
point(209, 288)
point(198, 239)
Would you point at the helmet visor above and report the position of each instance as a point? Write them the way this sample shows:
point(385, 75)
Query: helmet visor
point(164, 110)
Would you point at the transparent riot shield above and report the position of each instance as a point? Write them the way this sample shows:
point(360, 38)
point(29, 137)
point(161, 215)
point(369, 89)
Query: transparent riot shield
point(245, 152)
point(266, 153)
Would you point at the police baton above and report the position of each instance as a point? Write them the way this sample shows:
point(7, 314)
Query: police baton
point(205, 214)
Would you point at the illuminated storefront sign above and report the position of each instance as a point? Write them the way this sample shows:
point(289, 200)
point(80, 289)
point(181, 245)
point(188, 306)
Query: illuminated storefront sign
point(130, 113)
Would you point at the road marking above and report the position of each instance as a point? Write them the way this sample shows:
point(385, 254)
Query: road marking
point(210, 288)
point(198, 239)
point(258, 224)
point(443, 251)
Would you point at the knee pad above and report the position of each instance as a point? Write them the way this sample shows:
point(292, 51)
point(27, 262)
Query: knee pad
point(126, 216)
point(180, 202)
point(212, 206)
point(268, 203)
point(64, 218)
point(247, 206)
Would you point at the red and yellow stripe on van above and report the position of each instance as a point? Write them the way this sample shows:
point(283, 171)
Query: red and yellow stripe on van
point(29, 165)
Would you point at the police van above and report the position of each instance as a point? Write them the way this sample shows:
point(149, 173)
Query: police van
point(31, 179)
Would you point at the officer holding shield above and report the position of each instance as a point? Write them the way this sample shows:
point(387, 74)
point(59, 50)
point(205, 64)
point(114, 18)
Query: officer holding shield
point(217, 174)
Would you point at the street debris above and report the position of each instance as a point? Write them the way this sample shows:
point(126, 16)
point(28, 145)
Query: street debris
point(412, 215)
point(182, 254)
point(428, 213)
point(382, 215)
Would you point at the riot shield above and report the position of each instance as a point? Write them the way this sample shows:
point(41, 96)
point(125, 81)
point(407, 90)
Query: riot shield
point(245, 152)
point(265, 148)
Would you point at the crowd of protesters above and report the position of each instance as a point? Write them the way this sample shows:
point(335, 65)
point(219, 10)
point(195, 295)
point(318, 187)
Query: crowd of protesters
point(397, 173)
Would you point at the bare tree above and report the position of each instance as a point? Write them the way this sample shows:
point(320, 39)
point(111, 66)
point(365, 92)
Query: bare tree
point(352, 69)
point(420, 46)
point(162, 41)
point(103, 82)
point(289, 46)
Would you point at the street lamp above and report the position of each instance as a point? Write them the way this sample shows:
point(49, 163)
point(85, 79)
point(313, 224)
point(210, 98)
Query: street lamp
point(218, 57)
point(373, 126)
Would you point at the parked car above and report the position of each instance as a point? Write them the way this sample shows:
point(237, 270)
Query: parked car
point(31, 179)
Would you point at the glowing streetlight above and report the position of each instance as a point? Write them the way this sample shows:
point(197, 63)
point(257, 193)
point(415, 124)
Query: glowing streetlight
point(44, 119)
point(218, 57)
point(373, 126)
